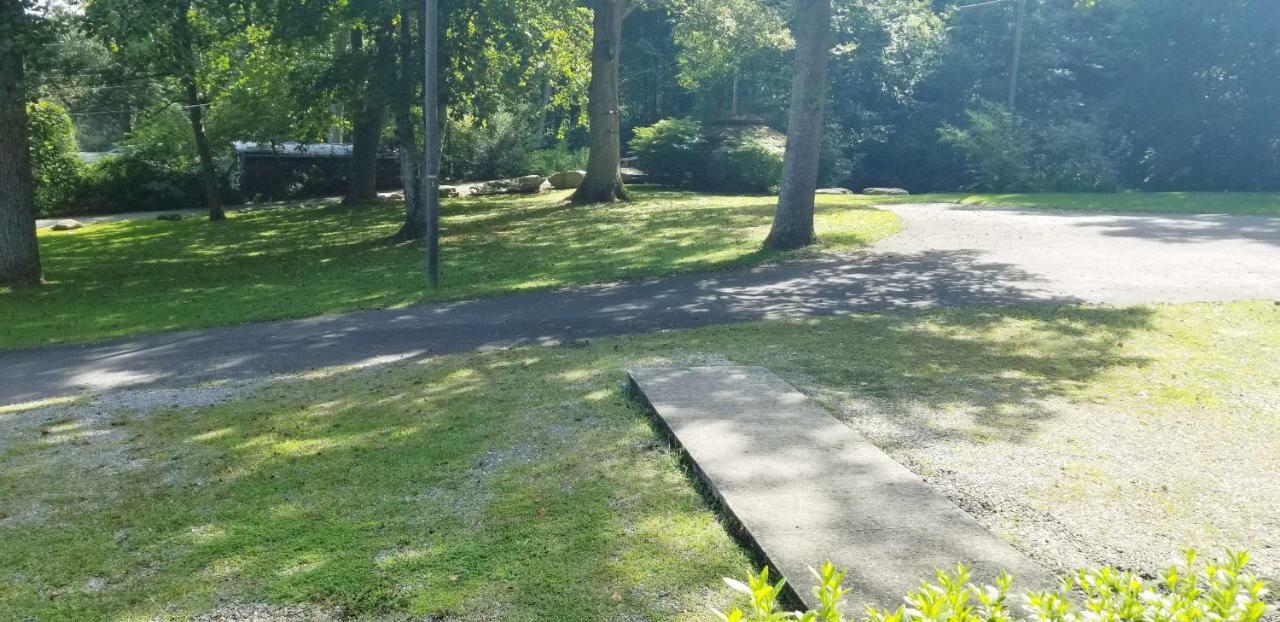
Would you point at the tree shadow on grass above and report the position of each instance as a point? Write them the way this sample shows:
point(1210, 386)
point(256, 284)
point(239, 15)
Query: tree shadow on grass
point(510, 482)
point(149, 276)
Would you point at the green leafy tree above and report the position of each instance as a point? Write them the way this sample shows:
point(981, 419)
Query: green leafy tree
point(55, 162)
point(185, 41)
point(726, 43)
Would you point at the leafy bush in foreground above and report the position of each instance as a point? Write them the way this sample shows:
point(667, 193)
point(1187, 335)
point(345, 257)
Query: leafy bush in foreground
point(1220, 591)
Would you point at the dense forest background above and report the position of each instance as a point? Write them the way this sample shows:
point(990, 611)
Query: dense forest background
point(1115, 95)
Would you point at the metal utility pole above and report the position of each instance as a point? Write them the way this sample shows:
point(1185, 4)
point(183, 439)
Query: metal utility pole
point(1017, 55)
point(430, 196)
point(1018, 28)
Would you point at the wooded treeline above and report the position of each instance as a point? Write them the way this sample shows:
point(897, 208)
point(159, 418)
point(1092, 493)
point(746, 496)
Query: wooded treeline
point(1113, 94)
point(1117, 94)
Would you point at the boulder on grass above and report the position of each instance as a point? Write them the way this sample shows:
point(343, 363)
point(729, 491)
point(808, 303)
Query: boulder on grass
point(896, 192)
point(634, 176)
point(528, 184)
point(566, 180)
point(834, 191)
point(487, 188)
point(67, 225)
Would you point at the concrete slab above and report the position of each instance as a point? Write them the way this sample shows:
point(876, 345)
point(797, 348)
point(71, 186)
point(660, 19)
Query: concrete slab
point(801, 488)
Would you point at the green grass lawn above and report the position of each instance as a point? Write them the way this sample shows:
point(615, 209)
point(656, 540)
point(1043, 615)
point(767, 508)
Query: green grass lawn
point(1237, 203)
point(125, 278)
point(523, 485)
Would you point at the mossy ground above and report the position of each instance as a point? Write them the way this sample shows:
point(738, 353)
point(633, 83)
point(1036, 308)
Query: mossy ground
point(523, 484)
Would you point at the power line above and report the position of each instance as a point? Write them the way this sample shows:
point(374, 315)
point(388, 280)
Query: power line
point(93, 88)
point(973, 6)
point(130, 111)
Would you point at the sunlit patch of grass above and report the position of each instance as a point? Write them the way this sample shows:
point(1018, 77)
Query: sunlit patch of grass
point(1236, 203)
point(524, 485)
point(124, 278)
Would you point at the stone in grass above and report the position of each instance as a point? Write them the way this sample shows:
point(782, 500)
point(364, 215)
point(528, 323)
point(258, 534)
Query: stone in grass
point(834, 191)
point(565, 180)
point(634, 176)
point(68, 224)
point(528, 184)
point(170, 217)
point(897, 192)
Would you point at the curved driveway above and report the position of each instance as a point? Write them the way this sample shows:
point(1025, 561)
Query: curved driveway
point(948, 255)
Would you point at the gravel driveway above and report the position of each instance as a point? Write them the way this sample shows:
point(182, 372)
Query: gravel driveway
point(1107, 258)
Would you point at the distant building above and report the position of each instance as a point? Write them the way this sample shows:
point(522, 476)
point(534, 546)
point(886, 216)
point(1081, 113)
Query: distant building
point(293, 170)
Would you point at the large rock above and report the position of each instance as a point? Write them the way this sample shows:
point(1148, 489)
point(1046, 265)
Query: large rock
point(450, 192)
point(67, 225)
point(897, 192)
point(565, 180)
point(834, 191)
point(634, 176)
point(528, 184)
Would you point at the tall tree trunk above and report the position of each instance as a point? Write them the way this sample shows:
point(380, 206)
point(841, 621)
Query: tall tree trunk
point(733, 97)
point(369, 116)
point(603, 182)
point(432, 129)
point(208, 174)
point(415, 217)
point(540, 130)
point(793, 218)
point(366, 137)
point(19, 251)
point(195, 112)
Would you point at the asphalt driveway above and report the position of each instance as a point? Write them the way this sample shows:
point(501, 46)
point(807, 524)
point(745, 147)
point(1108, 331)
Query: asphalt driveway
point(948, 255)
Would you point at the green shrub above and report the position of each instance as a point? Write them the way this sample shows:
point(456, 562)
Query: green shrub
point(493, 148)
point(1218, 591)
point(127, 182)
point(1004, 152)
point(743, 159)
point(995, 148)
point(157, 169)
point(55, 160)
point(669, 151)
point(556, 159)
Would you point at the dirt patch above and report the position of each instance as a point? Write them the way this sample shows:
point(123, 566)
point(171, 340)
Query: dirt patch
point(260, 612)
point(93, 437)
point(1080, 484)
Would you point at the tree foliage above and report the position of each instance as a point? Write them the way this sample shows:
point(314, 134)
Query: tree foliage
point(55, 161)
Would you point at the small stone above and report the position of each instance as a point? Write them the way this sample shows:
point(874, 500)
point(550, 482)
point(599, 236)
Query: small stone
point(68, 224)
point(886, 191)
